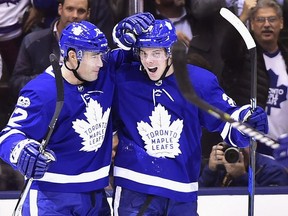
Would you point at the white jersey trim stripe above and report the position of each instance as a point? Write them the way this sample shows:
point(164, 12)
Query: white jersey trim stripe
point(227, 128)
point(13, 131)
point(33, 202)
point(155, 181)
point(117, 200)
point(81, 178)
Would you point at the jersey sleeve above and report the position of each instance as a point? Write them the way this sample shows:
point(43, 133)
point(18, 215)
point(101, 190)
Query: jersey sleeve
point(30, 118)
point(208, 89)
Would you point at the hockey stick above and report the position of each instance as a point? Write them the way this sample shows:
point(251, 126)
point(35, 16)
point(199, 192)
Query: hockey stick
point(59, 105)
point(251, 46)
point(185, 86)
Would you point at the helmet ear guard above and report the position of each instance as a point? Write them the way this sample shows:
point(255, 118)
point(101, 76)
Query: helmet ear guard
point(78, 55)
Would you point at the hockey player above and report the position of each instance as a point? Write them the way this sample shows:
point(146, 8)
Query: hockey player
point(158, 157)
point(80, 147)
point(71, 180)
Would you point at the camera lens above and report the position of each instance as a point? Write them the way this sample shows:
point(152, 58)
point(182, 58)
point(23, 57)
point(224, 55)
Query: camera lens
point(231, 155)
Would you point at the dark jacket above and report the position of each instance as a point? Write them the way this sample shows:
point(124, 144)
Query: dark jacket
point(236, 75)
point(208, 28)
point(33, 57)
point(268, 173)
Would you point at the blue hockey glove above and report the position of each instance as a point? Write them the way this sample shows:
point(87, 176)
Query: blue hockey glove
point(125, 32)
point(281, 153)
point(28, 159)
point(256, 119)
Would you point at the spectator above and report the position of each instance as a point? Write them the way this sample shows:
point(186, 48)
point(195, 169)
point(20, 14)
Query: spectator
point(9, 178)
point(208, 27)
point(41, 15)
point(102, 16)
point(266, 22)
point(44, 12)
point(177, 12)
point(36, 47)
point(12, 18)
point(220, 173)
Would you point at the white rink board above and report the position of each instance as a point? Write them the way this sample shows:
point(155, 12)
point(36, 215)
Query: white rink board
point(211, 205)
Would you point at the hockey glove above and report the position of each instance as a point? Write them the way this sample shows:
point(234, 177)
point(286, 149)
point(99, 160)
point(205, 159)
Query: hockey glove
point(29, 160)
point(125, 32)
point(281, 153)
point(256, 119)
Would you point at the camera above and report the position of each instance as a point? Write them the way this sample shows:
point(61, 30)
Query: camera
point(231, 153)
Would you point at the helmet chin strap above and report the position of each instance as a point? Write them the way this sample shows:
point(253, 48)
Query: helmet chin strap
point(159, 81)
point(75, 71)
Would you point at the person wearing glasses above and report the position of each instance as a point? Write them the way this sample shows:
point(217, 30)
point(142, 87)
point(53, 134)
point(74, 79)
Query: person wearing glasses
point(266, 22)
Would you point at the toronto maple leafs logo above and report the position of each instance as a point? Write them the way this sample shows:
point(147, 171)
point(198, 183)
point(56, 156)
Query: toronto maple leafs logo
point(77, 30)
point(161, 137)
point(277, 94)
point(93, 130)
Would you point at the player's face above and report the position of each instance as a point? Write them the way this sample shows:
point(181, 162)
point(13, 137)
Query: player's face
point(73, 11)
point(90, 65)
point(154, 61)
point(266, 25)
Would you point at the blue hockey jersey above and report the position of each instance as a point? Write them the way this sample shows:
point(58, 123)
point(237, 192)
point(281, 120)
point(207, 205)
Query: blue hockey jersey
point(82, 138)
point(159, 131)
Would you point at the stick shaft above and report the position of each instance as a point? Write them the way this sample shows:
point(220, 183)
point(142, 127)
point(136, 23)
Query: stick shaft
point(58, 108)
point(253, 143)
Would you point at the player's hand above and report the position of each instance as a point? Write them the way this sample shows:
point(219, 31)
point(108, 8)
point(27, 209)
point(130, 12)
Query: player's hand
point(281, 153)
point(256, 119)
point(29, 160)
point(125, 32)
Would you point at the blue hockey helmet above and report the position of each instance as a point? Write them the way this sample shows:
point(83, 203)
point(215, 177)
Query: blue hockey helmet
point(82, 36)
point(162, 34)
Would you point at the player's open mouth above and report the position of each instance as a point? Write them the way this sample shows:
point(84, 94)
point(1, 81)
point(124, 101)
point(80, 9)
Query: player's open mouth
point(152, 70)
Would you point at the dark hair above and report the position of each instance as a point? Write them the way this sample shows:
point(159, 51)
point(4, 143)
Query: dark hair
point(63, 1)
point(267, 3)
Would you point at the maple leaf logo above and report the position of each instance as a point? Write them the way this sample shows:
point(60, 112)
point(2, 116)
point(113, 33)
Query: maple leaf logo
point(161, 138)
point(277, 94)
point(93, 130)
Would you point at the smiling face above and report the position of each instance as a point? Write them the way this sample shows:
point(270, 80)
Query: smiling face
point(266, 25)
point(155, 61)
point(90, 65)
